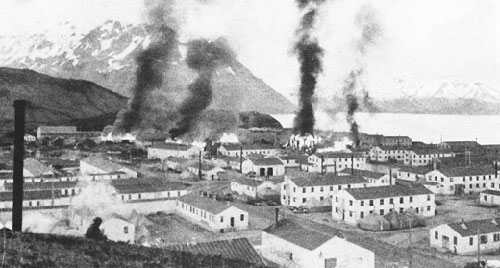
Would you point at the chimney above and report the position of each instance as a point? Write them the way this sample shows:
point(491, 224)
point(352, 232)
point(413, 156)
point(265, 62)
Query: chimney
point(463, 225)
point(277, 214)
point(17, 176)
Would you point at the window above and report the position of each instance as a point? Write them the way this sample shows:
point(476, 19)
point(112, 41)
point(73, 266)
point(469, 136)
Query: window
point(411, 199)
point(139, 196)
point(362, 214)
point(436, 235)
point(428, 197)
point(362, 202)
point(381, 201)
point(484, 239)
point(312, 189)
point(391, 201)
point(401, 210)
point(242, 217)
point(350, 203)
point(321, 189)
point(123, 197)
point(401, 200)
point(125, 230)
point(303, 200)
point(371, 202)
point(304, 190)
point(331, 188)
point(129, 196)
point(455, 240)
point(381, 212)
point(294, 189)
point(471, 241)
point(340, 187)
point(485, 198)
point(428, 208)
point(321, 198)
point(350, 213)
point(496, 237)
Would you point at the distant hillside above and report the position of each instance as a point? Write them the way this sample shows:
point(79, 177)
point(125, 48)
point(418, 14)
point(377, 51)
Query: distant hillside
point(56, 101)
point(106, 56)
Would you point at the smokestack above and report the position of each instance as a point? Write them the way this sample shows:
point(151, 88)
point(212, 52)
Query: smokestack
point(335, 167)
point(17, 176)
point(241, 159)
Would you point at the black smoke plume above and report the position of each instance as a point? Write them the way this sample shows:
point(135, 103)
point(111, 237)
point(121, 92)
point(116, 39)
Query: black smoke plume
point(151, 64)
point(204, 57)
point(370, 32)
point(309, 54)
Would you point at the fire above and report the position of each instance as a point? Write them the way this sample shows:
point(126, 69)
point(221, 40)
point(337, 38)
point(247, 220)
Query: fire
point(303, 142)
point(339, 146)
point(119, 138)
point(229, 138)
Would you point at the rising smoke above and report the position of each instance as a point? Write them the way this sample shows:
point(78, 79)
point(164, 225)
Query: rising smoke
point(151, 64)
point(309, 54)
point(370, 32)
point(204, 57)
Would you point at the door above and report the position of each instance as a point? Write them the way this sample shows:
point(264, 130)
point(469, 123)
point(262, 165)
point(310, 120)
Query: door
point(232, 221)
point(262, 172)
point(270, 171)
point(445, 241)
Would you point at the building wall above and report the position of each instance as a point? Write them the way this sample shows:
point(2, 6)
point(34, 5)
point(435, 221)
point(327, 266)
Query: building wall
point(347, 208)
point(489, 199)
point(463, 245)
point(87, 169)
point(212, 222)
point(347, 254)
point(474, 184)
point(248, 166)
point(284, 253)
point(409, 176)
point(380, 155)
point(161, 153)
point(293, 195)
point(235, 153)
point(243, 189)
point(329, 164)
point(413, 159)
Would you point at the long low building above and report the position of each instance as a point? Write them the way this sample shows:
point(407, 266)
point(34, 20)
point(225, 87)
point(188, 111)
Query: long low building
point(210, 214)
point(463, 237)
point(354, 204)
point(289, 244)
point(315, 189)
point(335, 161)
point(462, 179)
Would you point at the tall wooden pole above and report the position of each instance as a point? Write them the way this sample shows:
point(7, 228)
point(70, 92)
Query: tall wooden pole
point(478, 249)
point(17, 176)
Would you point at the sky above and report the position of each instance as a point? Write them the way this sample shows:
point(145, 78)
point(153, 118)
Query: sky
point(421, 41)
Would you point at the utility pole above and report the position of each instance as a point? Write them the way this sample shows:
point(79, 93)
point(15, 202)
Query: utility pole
point(478, 249)
point(17, 175)
point(410, 251)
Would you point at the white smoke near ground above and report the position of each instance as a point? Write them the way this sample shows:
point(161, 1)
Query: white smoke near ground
point(229, 138)
point(339, 146)
point(99, 197)
point(119, 137)
point(303, 142)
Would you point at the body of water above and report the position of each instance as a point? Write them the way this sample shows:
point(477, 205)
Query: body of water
point(420, 127)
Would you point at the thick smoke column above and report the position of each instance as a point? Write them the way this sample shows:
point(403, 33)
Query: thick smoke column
point(151, 63)
point(309, 54)
point(204, 57)
point(370, 31)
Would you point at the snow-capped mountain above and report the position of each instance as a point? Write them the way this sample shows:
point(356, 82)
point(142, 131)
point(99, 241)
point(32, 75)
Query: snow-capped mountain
point(448, 89)
point(106, 55)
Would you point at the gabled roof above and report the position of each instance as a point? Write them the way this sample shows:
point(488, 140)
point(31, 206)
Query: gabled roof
point(491, 192)
point(431, 151)
point(387, 191)
point(35, 167)
point(249, 182)
point(171, 146)
point(397, 137)
point(57, 129)
point(205, 166)
point(213, 206)
point(103, 164)
point(237, 146)
point(422, 170)
point(460, 171)
point(393, 148)
point(31, 195)
point(364, 173)
point(267, 161)
point(129, 186)
point(472, 227)
point(234, 249)
point(27, 186)
point(299, 235)
point(316, 179)
point(337, 155)
point(461, 143)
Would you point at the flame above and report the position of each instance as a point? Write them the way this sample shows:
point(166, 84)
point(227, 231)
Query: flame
point(199, 145)
point(306, 141)
point(339, 146)
point(118, 138)
point(229, 138)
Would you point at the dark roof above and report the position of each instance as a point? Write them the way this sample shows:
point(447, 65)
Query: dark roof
point(461, 143)
point(397, 137)
point(230, 175)
point(466, 171)
point(129, 186)
point(416, 169)
point(491, 192)
point(234, 249)
point(31, 195)
point(393, 148)
point(35, 167)
point(171, 146)
point(103, 164)
point(387, 191)
point(237, 146)
point(338, 155)
point(364, 173)
point(249, 182)
point(298, 235)
point(208, 204)
point(44, 185)
point(431, 151)
point(316, 179)
point(268, 161)
point(472, 227)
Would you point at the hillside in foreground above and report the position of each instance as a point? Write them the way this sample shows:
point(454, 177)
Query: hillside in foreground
point(43, 250)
